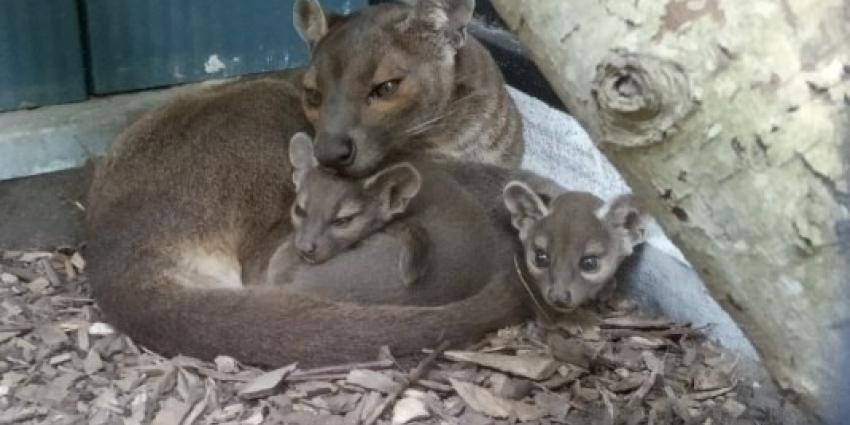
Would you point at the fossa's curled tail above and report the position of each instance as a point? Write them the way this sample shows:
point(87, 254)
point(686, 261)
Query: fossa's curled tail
point(275, 326)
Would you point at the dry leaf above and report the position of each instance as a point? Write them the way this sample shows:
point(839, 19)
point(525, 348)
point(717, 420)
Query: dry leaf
point(101, 329)
point(568, 350)
point(138, 406)
point(256, 418)
point(706, 379)
point(733, 408)
point(226, 364)
point(83, 340)
point(265, 384)
point(409, 409)
point(50, 272)
point(368, 404)
point(5, 336)
point(609, 407)
point(92, 363)
point(555, 405)
point(629, 383)
point(78, 262)
point(482, 400)
point(648, 342)
point(511, 388)
point(530, 366)
point(636, 323)
point(312, 389)
point(9, 278)
point(342, 403)
point(59, 358)
point(371, 380)
point(189, 386)
point(583, 323)
point(51, 334)
point(704, 395)
point(681, 405)
point(39, 285)
point(586, 394)
point(172, 412)
point(31, 257)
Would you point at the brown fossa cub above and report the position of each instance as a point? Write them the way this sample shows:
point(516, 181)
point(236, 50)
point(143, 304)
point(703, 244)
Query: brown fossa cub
point(398, 77)
point(187, 208)
point(418, 235)
point(573, 246)
point(332, 213)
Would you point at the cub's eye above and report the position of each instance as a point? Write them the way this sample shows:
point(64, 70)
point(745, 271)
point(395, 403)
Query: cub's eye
point(385, 89)
point(342, 221)
point(589, 263)
point(313, 97)
point(300, 211)
point(541, 258)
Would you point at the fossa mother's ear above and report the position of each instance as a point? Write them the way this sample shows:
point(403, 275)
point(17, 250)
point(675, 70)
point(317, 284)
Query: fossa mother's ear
point(395, 187)
point(525, 206)
point(450, 16)
point(624, 216)
point(310, 21)
point(301, 157)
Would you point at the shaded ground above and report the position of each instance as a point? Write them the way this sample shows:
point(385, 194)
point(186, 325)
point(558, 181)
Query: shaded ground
point(62, 365)
point(43, 211)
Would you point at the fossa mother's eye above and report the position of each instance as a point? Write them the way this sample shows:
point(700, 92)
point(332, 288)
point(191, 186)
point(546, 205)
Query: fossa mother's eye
point(299, 211)
point(541, 258)
point(385, 89)
point(589, 263)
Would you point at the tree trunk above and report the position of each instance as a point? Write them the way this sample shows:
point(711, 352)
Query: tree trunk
point(732, 120)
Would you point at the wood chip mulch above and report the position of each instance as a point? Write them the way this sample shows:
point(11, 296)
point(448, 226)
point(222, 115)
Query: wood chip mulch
point(59, 364)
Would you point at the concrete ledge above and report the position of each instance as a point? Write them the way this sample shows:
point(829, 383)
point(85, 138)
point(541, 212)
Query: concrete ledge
point(60, 137)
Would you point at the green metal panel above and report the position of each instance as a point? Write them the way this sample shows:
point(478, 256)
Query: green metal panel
point(135, 44)
point(41, 61)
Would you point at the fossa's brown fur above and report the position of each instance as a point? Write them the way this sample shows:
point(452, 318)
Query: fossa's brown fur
point(187, 209)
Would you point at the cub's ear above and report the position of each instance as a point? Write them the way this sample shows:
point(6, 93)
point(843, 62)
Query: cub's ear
point(525, 206)
point(301, 157)
point(310, 21)
point(394, 188)
point(624, 216)
point(450, 16)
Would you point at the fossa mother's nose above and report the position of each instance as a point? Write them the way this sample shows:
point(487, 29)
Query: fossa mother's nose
point(335, 152)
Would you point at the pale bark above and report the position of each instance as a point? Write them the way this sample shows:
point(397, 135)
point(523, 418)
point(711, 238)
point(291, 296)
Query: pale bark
point(731, 119)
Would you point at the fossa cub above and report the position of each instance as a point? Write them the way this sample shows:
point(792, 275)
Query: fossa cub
point(572, 245)
point(408, 234)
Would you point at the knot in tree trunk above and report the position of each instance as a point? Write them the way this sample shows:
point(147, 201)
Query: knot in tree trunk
point(640, 97)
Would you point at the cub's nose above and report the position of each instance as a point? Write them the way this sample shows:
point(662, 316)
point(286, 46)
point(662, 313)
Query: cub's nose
point(560, 299)
point(306, 250)
point(562, 304)
point(335, 152)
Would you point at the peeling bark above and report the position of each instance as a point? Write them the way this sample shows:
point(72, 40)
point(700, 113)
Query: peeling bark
point(732, 119)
